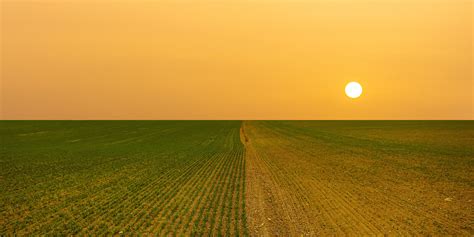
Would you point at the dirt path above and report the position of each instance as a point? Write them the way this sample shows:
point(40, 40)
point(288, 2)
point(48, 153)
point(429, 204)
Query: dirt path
point(257, 196)
point(269, 209)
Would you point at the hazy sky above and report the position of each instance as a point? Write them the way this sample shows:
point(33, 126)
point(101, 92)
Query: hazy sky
point(236, 59)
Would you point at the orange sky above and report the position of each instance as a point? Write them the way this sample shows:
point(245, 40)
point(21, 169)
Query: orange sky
point(236, 59)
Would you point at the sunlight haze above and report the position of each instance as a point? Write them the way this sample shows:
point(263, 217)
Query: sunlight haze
point(234, 59)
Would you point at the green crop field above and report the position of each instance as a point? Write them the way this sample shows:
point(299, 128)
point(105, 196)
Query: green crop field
point(122, 177)
point(235, 178)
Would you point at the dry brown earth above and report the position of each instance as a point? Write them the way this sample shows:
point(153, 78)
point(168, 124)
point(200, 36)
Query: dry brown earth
point(324, 183)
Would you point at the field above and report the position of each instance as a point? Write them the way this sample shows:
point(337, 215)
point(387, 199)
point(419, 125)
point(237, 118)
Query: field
point(230, 178)
point(122, 177)
point(360, 178)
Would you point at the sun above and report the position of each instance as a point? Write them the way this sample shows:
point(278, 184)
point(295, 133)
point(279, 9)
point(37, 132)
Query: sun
point(353, 89)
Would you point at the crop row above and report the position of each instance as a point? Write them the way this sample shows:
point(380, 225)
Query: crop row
point(126, 177)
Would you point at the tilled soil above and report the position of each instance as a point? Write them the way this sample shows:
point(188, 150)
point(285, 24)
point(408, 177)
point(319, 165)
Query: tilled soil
point(311, 185)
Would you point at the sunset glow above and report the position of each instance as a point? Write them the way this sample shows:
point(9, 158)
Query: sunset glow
point(236, 59)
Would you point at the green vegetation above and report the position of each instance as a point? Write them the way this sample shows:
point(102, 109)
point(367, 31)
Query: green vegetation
point(233, 178)
point(112, 177)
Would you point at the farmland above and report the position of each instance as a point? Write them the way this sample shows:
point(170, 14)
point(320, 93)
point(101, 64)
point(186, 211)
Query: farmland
point(360, 177)
point(234, 178)
point(105, 177)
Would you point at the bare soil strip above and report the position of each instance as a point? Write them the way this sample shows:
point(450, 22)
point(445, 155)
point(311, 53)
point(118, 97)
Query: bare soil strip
point(258, 210)
point(267, 210)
